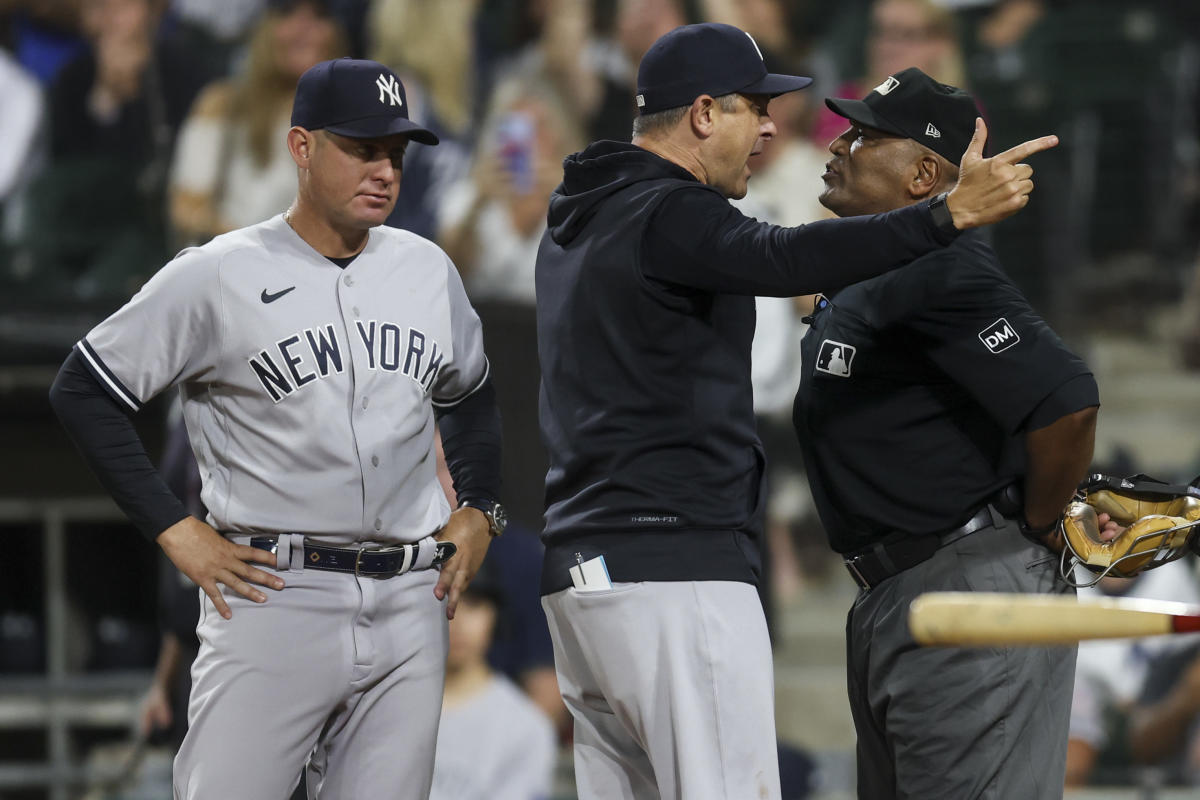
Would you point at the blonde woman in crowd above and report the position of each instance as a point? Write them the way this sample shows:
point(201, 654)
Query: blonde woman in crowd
point(493, 219)
point(231, 166)
point(431, 46)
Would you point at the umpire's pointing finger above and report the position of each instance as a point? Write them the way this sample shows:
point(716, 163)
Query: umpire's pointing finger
point(1019, 153)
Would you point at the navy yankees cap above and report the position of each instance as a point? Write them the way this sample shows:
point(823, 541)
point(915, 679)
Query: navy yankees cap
point(355, 98)
point(913, 105)
point(708, 58)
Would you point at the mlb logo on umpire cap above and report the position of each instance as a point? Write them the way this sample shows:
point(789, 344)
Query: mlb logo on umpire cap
point(999, 336)
point(355, 98)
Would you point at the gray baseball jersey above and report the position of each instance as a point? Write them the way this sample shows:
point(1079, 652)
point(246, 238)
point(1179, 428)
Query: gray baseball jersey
point(307, 389)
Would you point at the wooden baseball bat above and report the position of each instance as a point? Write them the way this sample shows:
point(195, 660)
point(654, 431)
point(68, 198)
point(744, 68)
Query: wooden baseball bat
point(985, 619)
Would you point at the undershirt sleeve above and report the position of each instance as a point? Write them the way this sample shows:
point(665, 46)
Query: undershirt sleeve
point(471, 439)
point(104, 434)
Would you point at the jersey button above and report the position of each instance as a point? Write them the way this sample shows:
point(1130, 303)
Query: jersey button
point(364, 402)
point(378, 524)
point(374, 461)
point(355, 310)
point(348, 280)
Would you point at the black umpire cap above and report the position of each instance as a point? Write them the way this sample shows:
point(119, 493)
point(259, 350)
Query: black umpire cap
point(708, 58)
point(913, 105)
point(356, 98)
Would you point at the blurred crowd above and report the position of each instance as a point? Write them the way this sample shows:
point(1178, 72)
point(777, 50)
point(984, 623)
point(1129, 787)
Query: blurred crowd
point(130, 129)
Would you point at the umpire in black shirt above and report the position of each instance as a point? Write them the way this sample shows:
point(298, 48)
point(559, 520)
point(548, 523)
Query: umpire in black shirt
point(645, 307)
point(944, 426)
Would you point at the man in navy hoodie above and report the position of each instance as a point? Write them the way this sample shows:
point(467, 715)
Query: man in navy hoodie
point(645, 302)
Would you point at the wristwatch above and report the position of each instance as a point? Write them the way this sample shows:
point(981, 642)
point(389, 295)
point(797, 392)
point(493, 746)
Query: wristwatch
point(941, 215)
point(497, 517)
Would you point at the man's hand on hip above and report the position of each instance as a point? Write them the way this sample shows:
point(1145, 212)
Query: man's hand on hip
point(468, 528)
point(208, 558)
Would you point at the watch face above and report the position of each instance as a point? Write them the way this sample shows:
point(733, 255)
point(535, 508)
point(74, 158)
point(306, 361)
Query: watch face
point(499, 518)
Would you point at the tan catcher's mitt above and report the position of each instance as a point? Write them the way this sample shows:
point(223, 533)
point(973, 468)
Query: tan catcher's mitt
point(1159, 522)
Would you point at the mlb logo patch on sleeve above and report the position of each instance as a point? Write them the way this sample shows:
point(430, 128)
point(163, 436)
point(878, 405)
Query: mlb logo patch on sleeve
point(999, 336)
point(835, 358)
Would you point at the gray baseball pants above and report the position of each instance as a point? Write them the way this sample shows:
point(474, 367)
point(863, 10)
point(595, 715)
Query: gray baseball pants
point(346, 669)
point(672, 690)
point(960, 723)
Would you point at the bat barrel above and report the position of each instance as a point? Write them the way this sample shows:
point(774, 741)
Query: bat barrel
point(1001, 619)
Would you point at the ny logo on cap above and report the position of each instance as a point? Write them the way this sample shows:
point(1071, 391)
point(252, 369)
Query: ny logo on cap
point(932, 131)
point(887, 86)
point(389, 87)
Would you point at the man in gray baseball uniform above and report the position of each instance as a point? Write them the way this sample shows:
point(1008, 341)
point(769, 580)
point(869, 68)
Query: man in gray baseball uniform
point(312, 353)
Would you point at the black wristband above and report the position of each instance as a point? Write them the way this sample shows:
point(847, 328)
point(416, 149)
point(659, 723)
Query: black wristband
point(1037, 533)
point(941, 215)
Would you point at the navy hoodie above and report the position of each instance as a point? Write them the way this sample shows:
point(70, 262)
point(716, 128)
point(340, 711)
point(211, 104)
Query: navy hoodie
point(645, 306)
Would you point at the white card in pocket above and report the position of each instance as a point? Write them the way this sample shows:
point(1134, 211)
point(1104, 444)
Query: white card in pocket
point(591, 575)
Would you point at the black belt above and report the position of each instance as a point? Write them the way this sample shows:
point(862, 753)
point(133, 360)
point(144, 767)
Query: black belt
point(382, 563)
point(873, 566)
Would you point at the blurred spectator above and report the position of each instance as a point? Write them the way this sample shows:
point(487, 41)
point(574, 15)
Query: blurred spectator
point(492, 220)
point(784, 186)
point(902, 34)
point(591, 74)
point(128, 94)
point(44, 34)
point(1188, 321)
point(1109, 675)
point(1165, 723)
point(231, 166)
point(212, 31)
point(20, 126)
point(521, 649)
point(95, 225)
point(640, 23)
point(1014, 68)
point(1117, 82)
point(493, 742)
point(431, 47)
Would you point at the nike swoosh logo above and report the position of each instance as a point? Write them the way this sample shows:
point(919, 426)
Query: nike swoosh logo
point(271, 298)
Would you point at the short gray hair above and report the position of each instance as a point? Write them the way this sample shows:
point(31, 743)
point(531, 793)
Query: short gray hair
point(646, 124)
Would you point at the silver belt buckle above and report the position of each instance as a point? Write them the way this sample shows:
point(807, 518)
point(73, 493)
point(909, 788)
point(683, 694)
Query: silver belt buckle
point(384, 550)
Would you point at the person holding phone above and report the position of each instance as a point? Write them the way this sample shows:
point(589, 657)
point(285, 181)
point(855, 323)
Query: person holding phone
point(493, 219)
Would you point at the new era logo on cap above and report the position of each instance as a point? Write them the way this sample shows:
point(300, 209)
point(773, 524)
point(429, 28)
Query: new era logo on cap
point(887, 86)
point(932, 131)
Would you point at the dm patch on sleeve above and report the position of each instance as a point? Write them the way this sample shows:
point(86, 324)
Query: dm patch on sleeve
point(999, 336)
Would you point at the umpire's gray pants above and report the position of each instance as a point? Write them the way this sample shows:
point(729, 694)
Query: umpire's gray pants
point(959, 723)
